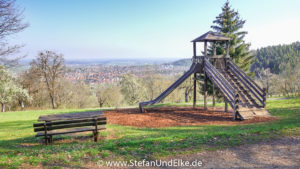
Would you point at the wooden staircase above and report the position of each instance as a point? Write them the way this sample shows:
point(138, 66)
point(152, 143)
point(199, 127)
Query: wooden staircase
point(245, 97)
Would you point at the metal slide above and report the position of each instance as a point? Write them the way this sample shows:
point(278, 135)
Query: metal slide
point(170, 89)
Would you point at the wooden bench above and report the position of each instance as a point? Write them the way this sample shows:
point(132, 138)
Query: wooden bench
point(69, 123)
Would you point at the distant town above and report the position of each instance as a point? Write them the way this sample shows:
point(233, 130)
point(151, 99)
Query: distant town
point(93, 74)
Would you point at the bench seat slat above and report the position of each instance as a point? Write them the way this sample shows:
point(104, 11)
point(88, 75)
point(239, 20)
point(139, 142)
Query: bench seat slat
point(68, 121)
point(71, 116)
point(74, 130)
point(69, 126)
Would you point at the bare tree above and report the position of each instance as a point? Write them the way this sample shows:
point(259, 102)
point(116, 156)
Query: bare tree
point(109, 96)
point(50, 67)
point(188, 87)
point(265, 76)
point(31, 81)
point(101, 97)
point(152, 84)
point(11, 18)
point(132, 89)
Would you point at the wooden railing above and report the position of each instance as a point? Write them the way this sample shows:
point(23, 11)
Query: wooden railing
point(216, 77)
point(256, 91)
point(230, 94)
point(219, 62)
point(197, 59)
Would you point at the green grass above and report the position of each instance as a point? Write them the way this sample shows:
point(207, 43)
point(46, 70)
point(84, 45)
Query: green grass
point(19, 147)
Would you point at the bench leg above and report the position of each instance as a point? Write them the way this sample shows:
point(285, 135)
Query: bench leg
point(95, 135)
point(46, 140)
point(50, 139)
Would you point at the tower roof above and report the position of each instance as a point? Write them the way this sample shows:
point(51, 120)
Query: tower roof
point(211, 36)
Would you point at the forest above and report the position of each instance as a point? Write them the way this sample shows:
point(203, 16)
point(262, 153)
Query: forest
point(277, 68)
point(277, 58)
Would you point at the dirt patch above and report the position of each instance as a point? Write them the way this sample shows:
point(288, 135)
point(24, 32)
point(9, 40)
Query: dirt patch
point(278, 153)
point(176, 116)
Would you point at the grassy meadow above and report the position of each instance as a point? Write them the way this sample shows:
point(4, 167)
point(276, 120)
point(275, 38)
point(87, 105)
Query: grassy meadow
point(19, 147)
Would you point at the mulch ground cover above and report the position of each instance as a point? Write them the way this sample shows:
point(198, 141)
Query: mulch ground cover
point(176, 116)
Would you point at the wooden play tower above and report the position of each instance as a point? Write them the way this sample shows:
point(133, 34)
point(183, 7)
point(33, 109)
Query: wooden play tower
point(245, 97)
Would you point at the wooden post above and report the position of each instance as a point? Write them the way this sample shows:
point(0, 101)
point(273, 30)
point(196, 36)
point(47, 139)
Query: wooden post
point(214, 64)
point(194, 51)
point(215, 49)
point(195, 90)
point(50, 137)
point(205, 48)
point(226, 105)
point(45, 132)
point(264, 97)
point(141, 108)
point(96, 131)
point(227, 49)
point(214, 96)
point(236, 105)
point(205, 92)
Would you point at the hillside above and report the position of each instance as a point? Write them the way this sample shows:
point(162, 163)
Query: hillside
point(277, 58)
point(182, 62)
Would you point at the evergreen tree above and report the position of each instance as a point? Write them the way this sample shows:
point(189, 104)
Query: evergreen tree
point(229, 23)
point(277, 58)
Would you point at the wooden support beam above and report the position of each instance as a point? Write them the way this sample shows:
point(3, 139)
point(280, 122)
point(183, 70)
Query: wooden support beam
point(226, 104)
point(95, 135)
point(205, 92)
point(236, 105)
point(227, 49)
point(215, 48)
point(214, 96)
point(264, 97)
point(194, 50)
point(214, 90)
point(195, 90)
point(205, 48)
point(45, 132)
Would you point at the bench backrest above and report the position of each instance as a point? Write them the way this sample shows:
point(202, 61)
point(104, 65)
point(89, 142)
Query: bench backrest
point(69, 124)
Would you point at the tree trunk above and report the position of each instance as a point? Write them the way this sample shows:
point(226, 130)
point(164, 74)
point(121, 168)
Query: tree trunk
point(21, 103)
point(186, 94)
point(52, 101)
point(226, 105)
point(3, 107)
point(205, 91)
point(195, 90)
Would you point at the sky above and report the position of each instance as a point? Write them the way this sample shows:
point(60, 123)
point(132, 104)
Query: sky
point(147, 29)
